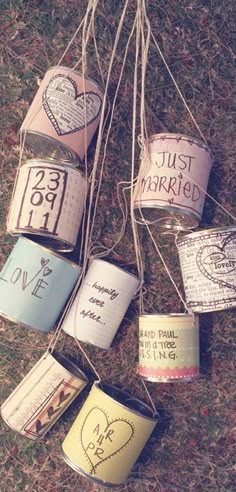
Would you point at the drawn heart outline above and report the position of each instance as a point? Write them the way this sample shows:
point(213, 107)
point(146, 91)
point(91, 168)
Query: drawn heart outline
point(44, 262)
point(102, 420)
point(216, 257)
point(47, 271)
point(49, 109)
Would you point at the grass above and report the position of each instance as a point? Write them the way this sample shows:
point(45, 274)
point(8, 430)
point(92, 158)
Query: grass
point(192, 448)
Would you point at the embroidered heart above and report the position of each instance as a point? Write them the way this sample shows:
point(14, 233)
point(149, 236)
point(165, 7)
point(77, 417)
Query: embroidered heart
point(216, 262)
point(44, 262)
point(102, 439)
point(46, 271)
point(68, 111)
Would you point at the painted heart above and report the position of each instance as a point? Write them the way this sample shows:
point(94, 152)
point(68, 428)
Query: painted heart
point(68, 111)
point(216, 262)
point(63, 397)
point(101, 439)
point(44, 262)
point(46, 271)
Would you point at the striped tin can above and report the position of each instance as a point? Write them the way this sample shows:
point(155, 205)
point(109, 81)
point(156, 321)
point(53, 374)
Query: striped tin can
point(100, 304)
point(108, 435)
point(208, 266)
point(48, 204)
point(35, 284)
point(63, 116)
point(168, 347)
point(43, 395)
point(172, 181)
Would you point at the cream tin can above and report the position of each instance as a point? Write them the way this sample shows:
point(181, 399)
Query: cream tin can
point(101, 303)
point(64, 115)
point(108, 435)
point(43, 395)
point(35, 284)
point(168, 347)
point(172, 181)
point(208, 266)
point(48, 203)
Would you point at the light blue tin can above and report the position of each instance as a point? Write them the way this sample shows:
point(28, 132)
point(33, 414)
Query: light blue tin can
point(35, 284)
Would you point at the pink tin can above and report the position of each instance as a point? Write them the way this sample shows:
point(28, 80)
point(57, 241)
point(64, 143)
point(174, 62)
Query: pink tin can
point(172, 181)
point(63, 116)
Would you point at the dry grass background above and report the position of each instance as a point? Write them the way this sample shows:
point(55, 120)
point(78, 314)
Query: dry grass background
point(192, 448)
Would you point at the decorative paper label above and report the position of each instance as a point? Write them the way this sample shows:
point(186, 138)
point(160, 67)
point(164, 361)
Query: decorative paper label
point(41, 398)
point(67, 110)
point(177, 170)
point(208, 265)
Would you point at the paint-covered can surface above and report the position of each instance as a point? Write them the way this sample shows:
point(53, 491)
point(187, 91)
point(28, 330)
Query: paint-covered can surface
point(172, 181)
point(43, 395)
point(208, 266)
point(168, 347)
point(64, 115)
point(100, 304)
point(108, 435)
point(48, 202)
point(35, 284)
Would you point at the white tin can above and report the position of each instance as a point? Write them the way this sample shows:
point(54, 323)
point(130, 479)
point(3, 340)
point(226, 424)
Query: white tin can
point(43, 395)
point(208, 266)
point(101, 303)
point(172, 181)
point(48, 202)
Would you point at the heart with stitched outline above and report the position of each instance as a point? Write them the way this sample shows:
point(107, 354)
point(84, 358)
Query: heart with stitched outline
point(217, 262)
point(67, 110)
point(101, 439)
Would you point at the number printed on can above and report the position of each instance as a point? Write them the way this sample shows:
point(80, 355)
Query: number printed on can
point(42, 199)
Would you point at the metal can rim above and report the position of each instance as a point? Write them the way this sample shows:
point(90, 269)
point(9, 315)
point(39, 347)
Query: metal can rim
point(157, 315)
point(72, 263)
point(179, 135)
point(64, 362)
point(115, 266)
point(77, 72)
point(53, 162)
point(204, 232)
point(99, 387)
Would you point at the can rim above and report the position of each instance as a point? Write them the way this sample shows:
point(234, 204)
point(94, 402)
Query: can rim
point(99, 386)
point(28, 234)
point(71, 70)
point(52, 162)
point(157, 315)
point(74, 265)
point(207, 231)
point(176, 211)
point(74, 158)
point(179, 135)
point(67, 364)
point(115, 266)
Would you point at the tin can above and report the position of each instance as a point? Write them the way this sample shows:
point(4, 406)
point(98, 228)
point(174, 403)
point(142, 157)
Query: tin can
point(108, 435)
point(63, 116)
point(100, 304)
point(208, 266)
point(43, 395)
point(168, 347)
point(35, 284)
point(48, 203)
point(174, 171)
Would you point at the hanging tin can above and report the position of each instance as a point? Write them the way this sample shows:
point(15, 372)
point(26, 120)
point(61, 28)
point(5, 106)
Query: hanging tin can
point(208, 266)
point(35, 284)
point(172, 181)
point(48, 203)
point(108, 435)
point(168, 347)
point(100, 304)
point(63, 116)
point(43, 395)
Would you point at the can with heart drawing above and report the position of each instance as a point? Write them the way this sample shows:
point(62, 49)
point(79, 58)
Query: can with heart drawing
point(208, 266)
point(169, 347)
point(108, 435)
point(173, 177)
point(63, 116)
point(43, 395)
point(48, 203)
point(35, 284)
